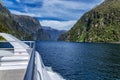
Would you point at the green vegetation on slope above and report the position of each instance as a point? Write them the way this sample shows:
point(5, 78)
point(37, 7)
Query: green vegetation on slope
point(11, 26)
point(7, 25)
point(3, 29)
point(101, 24)
point(2, 39)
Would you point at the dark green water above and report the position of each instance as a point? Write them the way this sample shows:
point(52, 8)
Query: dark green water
point(82, 61)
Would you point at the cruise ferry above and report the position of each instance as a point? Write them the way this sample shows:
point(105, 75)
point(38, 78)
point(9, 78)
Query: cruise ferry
point(22, 62)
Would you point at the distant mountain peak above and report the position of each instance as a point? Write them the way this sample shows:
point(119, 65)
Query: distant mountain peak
point(54, 33)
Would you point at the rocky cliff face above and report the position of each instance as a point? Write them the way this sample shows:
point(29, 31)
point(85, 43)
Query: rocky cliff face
point(28, 24)
point(23, 27)
point(7, 24)
point(43, 35)
point(31, 25)
point(54, 34)
point(101, 24)
point(4, 10)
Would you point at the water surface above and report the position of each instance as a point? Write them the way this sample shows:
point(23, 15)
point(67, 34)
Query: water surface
point(82, 61)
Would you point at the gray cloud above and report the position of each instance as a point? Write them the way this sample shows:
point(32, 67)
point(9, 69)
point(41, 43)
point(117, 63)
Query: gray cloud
point(66, 10)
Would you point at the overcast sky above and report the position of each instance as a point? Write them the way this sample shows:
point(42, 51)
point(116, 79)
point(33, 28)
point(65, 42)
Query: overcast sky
point(58, 14)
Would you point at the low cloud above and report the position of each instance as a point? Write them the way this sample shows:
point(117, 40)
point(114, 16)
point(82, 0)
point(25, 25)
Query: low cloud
point(59, 14)
point(27, 14)
point(60, 25)
point(62, 9)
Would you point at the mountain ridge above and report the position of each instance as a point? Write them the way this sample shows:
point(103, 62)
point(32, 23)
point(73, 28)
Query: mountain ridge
point(21, 26)
point(101, 24)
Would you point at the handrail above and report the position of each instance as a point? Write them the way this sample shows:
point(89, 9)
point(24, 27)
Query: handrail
point(30, 69)
point(6, 48)
point(16, 50)
point(32, 72)
point(15, 41)
point(35, 67)
point(30, 44)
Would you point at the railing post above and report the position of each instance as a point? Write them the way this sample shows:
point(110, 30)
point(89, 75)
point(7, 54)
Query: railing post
point(30, 69)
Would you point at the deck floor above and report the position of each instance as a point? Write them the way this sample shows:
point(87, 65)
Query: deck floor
point(13, 63)
point(17, 74)
point(6, 53)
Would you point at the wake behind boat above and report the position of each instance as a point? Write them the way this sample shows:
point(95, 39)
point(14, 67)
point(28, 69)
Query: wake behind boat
point(22, 62)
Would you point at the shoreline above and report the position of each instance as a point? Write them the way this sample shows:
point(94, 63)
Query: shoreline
point(115, 42)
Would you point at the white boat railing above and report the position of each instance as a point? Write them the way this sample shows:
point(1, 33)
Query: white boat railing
point(30, 69)
point(35, 68)
point(18, 50)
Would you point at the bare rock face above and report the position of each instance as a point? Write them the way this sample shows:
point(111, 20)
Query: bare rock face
point(43, 35)
point(54, 33)
point(28, 24)
point(31, 25)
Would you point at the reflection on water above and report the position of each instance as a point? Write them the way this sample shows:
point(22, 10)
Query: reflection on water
point(82, 61)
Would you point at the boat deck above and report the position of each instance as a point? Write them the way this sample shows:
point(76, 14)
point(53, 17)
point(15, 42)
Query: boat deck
point(6, 53)
point(12, 74)
point(20, 62)
point(13, 62)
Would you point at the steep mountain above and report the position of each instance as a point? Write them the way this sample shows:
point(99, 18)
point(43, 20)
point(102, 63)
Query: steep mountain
point(43, 35)
point(23, 27)
point(54, 34)
point(7, 24)
point(101, 24)
point(28, 24)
